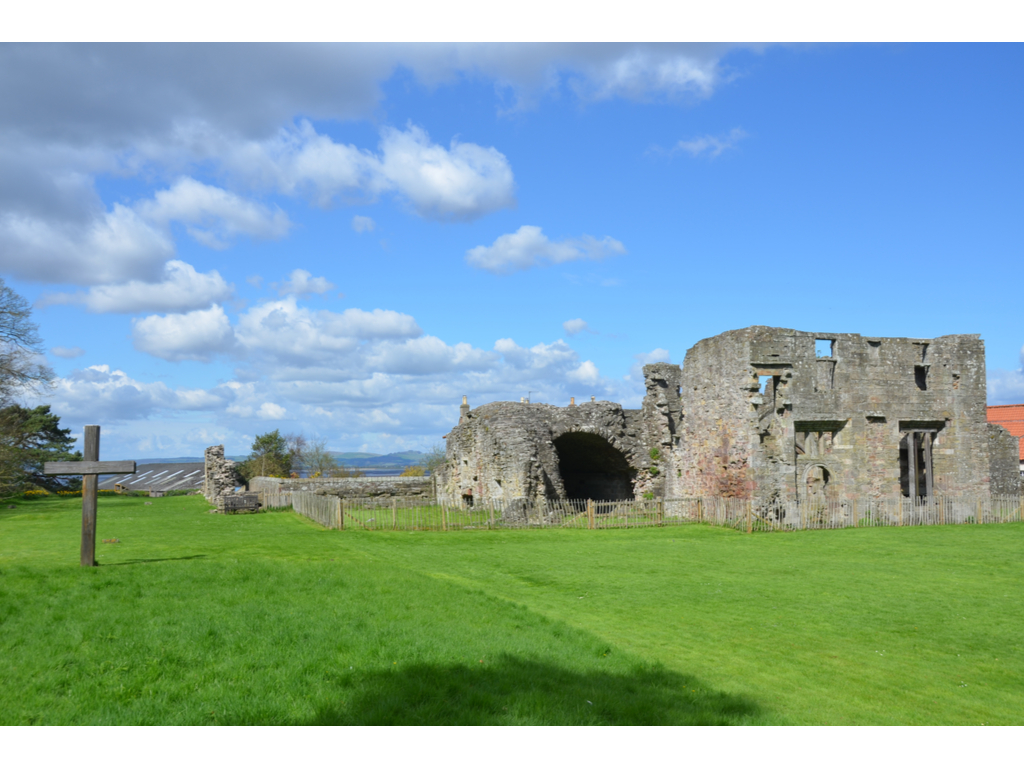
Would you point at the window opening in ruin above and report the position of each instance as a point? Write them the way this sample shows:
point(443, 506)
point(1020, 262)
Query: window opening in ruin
point(916, 469)
point(818, 480)
point(921, 377)
point(467, 500)
point(824, 347)
point(763, 383)
point(592, 468)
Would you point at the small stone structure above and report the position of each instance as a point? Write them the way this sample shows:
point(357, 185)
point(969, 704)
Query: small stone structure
point(758, 413)
point(349, 487)
point(220, 475)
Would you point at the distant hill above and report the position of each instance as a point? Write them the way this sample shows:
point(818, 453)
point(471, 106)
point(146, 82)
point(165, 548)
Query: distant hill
point(351, 459)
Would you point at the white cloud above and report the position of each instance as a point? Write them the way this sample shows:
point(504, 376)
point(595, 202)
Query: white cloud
point(586, 373)
point(109, 248)
point(292, 335)
point(271, 411)
point(197, 335)
point(213, 215)
point(463, 182)
point(302, 283)
point(363, 224)
point(711, 146)
point(99, 395)
point(529, 246)
point(572, 327)
point(181, 290)
point(67, 353)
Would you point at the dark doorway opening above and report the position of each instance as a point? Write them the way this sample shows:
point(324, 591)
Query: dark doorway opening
point(592, 468)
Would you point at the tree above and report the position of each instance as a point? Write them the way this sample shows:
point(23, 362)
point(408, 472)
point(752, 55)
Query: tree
point(269, 457)
point(434, 458)
point(413, 470)
point(297, 445)
point(29, 437)
point(318, 460)
point(20, 348)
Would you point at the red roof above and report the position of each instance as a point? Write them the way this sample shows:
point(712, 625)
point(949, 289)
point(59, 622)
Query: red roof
point(1011, 417)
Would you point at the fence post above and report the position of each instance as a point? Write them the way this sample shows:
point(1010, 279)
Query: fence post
point(661, 512)
point(590, 514)
point(700, 510)
point(750, 518)
point(856, 517)
point(340, 515)
point(394, 514)
point(444, 518)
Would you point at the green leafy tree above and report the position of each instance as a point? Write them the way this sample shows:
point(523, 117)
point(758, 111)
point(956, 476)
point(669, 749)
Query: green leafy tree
point(269, 458)
point(29, 437)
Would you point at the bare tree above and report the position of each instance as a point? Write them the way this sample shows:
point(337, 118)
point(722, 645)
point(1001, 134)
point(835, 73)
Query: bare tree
point(318, 460)
point(433, 460)
point(21, 367)
point(297, 445)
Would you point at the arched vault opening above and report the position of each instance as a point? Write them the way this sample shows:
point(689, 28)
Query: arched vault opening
point(592, 468)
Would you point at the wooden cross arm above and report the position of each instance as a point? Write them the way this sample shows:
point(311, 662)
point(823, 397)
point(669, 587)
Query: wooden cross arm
point(89, 468)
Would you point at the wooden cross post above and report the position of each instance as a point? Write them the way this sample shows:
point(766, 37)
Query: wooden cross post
point(90, 468)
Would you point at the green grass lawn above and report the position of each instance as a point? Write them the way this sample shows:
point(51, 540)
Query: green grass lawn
point(199, 618)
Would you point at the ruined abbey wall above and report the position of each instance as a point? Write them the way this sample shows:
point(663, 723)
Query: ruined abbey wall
point(762, 413)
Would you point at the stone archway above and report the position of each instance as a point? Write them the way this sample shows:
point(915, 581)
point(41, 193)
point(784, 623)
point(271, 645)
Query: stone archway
point(592, 468)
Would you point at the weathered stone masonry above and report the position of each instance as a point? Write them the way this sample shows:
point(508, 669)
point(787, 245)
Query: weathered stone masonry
point(763, 413)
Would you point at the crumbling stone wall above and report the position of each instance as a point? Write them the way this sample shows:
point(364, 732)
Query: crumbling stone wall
point(1003, 450)
point(349, 487)
point(762, 413)
point(220, 474)
point(509, 451)
point(767, 416)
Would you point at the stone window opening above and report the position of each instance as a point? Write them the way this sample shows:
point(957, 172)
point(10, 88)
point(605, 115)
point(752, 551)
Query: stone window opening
point(824, 347)
point(921, 377)
point(818, 484)
point(917, 479)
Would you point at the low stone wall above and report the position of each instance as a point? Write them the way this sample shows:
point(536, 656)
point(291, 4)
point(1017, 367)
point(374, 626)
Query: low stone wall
point(349, 487)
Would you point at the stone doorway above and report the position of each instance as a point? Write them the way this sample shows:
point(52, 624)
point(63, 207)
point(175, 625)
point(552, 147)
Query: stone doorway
point(592, 468)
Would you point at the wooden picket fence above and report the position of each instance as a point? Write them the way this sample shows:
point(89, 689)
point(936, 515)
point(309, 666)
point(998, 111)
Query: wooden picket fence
point(418, 514)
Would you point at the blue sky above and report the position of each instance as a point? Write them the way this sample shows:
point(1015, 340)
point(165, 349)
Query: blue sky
point(344, 240)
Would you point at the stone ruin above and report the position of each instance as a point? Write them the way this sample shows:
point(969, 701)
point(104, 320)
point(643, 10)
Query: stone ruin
point(758, 413)
point(220, 476)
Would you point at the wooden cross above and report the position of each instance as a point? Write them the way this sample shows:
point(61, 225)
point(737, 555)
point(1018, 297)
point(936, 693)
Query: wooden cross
point(90, 468)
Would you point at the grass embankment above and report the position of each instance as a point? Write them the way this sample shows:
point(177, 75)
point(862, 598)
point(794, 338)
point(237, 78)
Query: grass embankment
point(197, 618)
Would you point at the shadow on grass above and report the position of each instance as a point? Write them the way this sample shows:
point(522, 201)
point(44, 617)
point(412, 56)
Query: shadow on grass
point(137, 561)
point(515, 691)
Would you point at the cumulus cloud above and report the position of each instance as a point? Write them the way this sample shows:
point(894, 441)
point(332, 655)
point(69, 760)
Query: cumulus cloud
point(99, 394)
point(461, 182)
point(362, 224)
point(213, 215)
point(182, 289)
point(68, 353)
point(572, 327)
point(710, 146)
point(198, 335)
point(529, 246)
point(302, 283)
point(112, 247)
point(271, 411)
